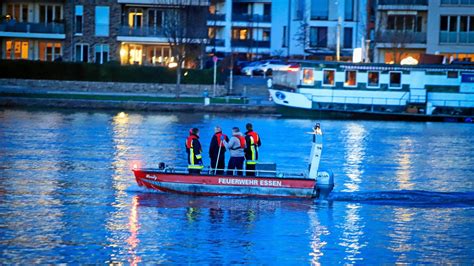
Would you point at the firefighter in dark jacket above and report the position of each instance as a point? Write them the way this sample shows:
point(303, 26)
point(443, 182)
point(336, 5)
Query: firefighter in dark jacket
point(253, 141)
point(194, 151)
point(217, 151)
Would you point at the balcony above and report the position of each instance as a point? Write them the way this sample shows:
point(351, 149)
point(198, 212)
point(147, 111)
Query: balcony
point(251, 18)
point(216, 42)
point(216, 17)
point(456, 37)
point(401, 37)
point(251, 43)
point(32, 30)
point(141, 32)
point(167, 2)
point(403, 2)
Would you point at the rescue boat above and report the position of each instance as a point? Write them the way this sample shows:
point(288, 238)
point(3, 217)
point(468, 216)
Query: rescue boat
point(311, 183)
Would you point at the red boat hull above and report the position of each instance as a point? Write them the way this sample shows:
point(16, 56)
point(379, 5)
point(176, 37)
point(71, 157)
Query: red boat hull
point(217, 185)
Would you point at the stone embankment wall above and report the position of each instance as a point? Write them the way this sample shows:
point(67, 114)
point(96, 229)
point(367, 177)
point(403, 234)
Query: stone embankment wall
point(137, 106)
point(109, 87)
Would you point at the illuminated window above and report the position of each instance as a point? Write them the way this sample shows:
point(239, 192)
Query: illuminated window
point(328, 77)
point(135, 54)
point(8, 50)
point(50, 51)
point(395, 80)
point(16, 50)
point(243, 34)
point(159, 55)
point(240, 34)
point(351, 78)
point(373, 79)
point(135, 17)
point(308, 76)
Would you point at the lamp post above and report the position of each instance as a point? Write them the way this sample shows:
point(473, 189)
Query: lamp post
point(338, 39)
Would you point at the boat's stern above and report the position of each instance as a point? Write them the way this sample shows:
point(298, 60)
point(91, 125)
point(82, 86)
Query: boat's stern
point(324, 184)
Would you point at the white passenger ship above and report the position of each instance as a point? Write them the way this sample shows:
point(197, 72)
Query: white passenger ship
point(376, 91)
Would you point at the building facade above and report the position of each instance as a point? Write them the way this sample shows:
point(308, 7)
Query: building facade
point(32, 30)
point(451, 29)
point(240, 27)
point(126, 31)
point(314, 28)
point(92, 33)
point(141, 32)
point(408, 29)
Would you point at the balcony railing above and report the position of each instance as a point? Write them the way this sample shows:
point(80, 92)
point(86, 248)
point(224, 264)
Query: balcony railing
point(217, 42)
point(251, 18)
point(398, 37)
point(24, 27)
point(456, 37)
point(216, 17)
point(457, 2)
point(141, 32)
point(403, 2)
point(167, 2)
point(251, 43)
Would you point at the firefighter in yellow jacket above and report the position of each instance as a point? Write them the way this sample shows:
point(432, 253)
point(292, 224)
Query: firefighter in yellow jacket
point(194, 151)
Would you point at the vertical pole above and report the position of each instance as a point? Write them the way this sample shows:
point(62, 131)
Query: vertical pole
point(338, 39)
point(231, 81)
point(215, 76)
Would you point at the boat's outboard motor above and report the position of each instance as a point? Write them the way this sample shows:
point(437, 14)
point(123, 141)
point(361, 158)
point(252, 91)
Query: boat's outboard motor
point(324, 184)
point(324, 179)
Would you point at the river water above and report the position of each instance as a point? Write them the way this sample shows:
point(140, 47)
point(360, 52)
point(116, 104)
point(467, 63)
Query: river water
point(404, 193)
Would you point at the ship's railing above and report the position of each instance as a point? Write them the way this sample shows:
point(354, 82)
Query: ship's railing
point(363, 100)
point(452, 103)
point(207, 170)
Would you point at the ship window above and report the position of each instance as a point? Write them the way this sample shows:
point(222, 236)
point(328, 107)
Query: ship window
point(373, 79)
point(308, 76)
point(351, 78)
point(395, 80)
point(453, 74)
point(328, 77)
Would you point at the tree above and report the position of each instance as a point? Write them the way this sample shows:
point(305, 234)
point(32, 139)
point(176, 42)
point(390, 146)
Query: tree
point(302, 36)
point(186, 31)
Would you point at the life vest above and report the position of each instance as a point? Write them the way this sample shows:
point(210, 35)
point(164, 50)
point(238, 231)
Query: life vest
point(219, 141)
point(254, 135)
point(189, 141)
point(242, 141)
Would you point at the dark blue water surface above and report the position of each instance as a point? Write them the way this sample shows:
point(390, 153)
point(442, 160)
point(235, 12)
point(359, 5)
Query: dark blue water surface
point(404, 193)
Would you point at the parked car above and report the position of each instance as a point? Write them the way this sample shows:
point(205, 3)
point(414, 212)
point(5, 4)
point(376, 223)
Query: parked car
point(249, 69)
point(239, 65)
point(269, 66)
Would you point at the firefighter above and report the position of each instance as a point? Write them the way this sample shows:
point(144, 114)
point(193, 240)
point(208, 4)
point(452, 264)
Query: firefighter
point(217, 151)
point(193, 149)
point(236, 146)
point(253, 141)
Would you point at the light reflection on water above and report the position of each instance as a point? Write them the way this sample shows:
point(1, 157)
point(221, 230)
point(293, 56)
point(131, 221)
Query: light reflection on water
point(355, 153)
point(67, 193)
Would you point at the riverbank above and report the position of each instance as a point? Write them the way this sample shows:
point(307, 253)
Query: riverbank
point(133, 102)
point(127, 96)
